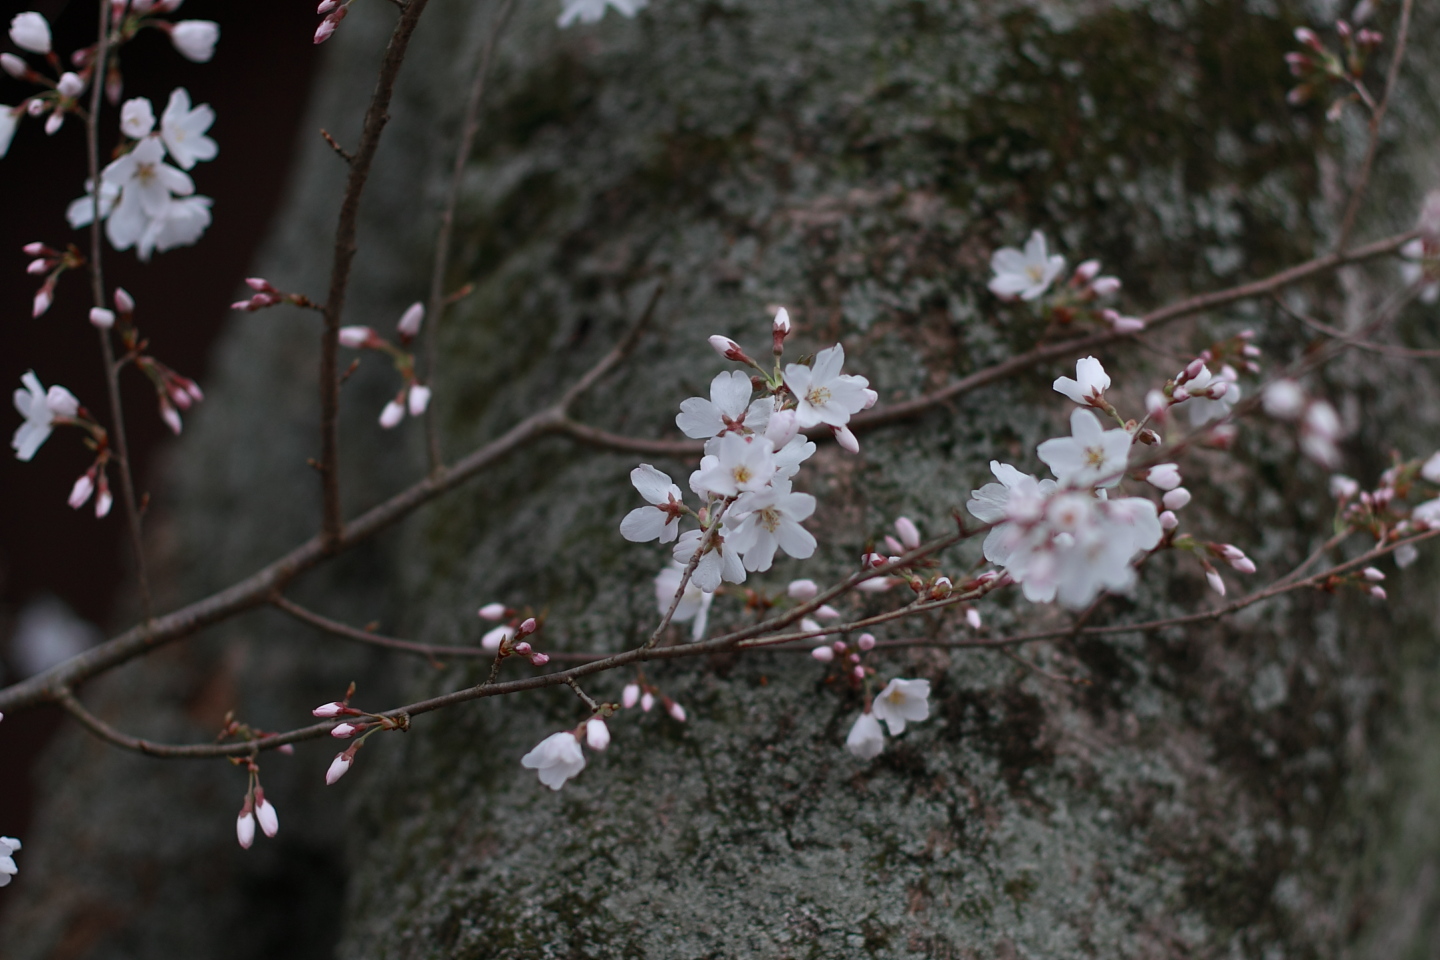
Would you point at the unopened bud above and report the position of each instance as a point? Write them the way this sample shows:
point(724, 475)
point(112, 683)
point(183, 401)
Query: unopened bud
point(260, 285)
point(827, 612)
point(37, 249)
point(783, 426)
point(802, 590)
point(102, 318)
point(1104, 286)
point(909, 533)
point(539, 659)
point(1192, 369)
point(811, 625)
point(782, 321)
point(1216, 584)
point(355, 337)
point(1372, 574)
point(1377, 592)
point(846, 439)
point(858, 672)
point(727, 348)
point(1243, 564)
point(38, 266)
point(393, 413)
point(338, 767)
point(676, 711)
point(494, 638)
point(492, 611)
point(70, 85)
point(344, 731)
point(597, 735)
point(245, 828)
point(1087, 271)
point(866, 641)
point(823, 654)
point(1164, 476)
point(647, 701)
point(523, 648)
point(81, 492)
point(972, 617)
point(941, 588)
point(630, 696)
point(265, 813)
point(1176, 499)
point(1168, 520)
point(332, 709)
point(14, 66)
point(410, 320)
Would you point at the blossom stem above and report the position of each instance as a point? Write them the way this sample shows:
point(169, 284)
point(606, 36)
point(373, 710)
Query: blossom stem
point(97, 293)
point(438, 301)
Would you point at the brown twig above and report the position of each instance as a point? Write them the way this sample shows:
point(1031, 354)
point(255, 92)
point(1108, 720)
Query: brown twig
point(436, 307)
point(336, 628)
point(376, 115)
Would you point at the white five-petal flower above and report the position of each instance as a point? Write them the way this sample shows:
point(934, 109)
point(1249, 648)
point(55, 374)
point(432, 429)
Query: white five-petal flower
point(183, 130)
point(720, 562)
point(738, 465)
point(728, 409)
point(1091, 455)
point(694, 604)
point(903, 701)
point(39, 408)
point(822, 393)
point(770, 519)
point(8, 848)
point(1090, 383)
point(659, 521)
point(147, 186)
point(1027, 274)
point(556, 759)
point(137, 118)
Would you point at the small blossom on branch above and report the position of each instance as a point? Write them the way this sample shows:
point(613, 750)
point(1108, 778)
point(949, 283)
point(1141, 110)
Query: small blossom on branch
point(194, 39)
point(822, 393)
point(866, 740)
point(660, 521)
point(41, 409)
point(30, 31)
point(901, 702)
point(556, 759)
point(1089, 386)
point(9, 846)
point(1025, 275)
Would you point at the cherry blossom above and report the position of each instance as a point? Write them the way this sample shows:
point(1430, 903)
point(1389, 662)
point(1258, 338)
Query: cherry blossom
point(1091, 455)
point(597, 735)
point(556, 759)
point(770, 519)
point(40, 408)
point(80, 212)
point(822, 393)
point(9, 846)
point(137, 118)
point(245, 828)
point(659, 521)
point(728, 409)
point(183, 128)
point(1284, 400)
point(902, 701)
point(265, 814)
point(1089, 386)
point(789, 457)
point(1025, 275)
point(720, 562)
point(590, 11)
point(738, 465)
point(179, 224)
point(195, 39)
point(866, 740)
point(30, 31)
point(147, 185)
point(9, 121)
point(339, 767)
point(1430, 469)
point(1208, 396)
point(694, 604)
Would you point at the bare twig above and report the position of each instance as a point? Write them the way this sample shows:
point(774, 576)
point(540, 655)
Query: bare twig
point(336, 628)
point(345, 155)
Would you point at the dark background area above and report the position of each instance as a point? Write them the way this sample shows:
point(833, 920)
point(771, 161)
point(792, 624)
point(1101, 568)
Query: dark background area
point(258, 83)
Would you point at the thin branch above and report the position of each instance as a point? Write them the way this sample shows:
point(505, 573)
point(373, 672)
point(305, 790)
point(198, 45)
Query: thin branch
point(97, 293)
point(344, 154)
point(336, 628)
point(376, 116)
point(1362, 181)
point(436, 308)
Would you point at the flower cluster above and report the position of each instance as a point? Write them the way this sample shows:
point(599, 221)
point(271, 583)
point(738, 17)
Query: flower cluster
point(901, 702)
point(1320, 70)
point(1028, 275)
point(9, 846)
point(590, 11)
point(414, 396)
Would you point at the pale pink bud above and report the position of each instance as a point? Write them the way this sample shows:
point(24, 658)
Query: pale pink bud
point(539, 659)
point(326, 6)
point(802, 590)
point(859, 672)
point(630, 696)
point(647, 701)
point(419, 399)
point(782, 321)
point(1176, 499)
point(37, 267)
point(823, 654)
point(1342, 487)
point(972, 617)
point(1243, 564)
point(941, 588)
point(80, 493)
point(332, 709)
point(1307, 36)
point(338, 768)
point(727, 348)
point(1165, 476)
point(872, 560)
point(344, 731)
point(1104, 286)
point(35, 107)
point(265, 813)
point(676, 711)
point(1168, 520)
point(871, 398)
point(1229, 551)
point(1192, 369)
point(876, 584)
point(909, 533)
point(37, 249)
point(102, 318)
point(170, 415)
point(70, 85)
point(523, 648)
point(355, 337)
point(1372, 574)
point(53, 123)
point(493, 639)
point(854, 658)
point(1377, 592)
point(103, 500)
point(1127, 325)
point(326, 28)
point(1216, 584)
point(493, 612)
point(866, 641)
point(1087, 271)
point(597, 735)
point(245, 828)
point(123, 301)
point(410, 320)
point(1179, 395)
point(14, 66)
point(783, 426)
point(393, 413)
point(846, 439)
point(893, 545)
point(811, 625)
point(43, 299)
point(827, 612)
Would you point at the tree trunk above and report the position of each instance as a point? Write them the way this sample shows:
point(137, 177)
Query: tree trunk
point(1264, 787)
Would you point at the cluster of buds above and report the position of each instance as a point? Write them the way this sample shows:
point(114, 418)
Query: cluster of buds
point(51, 263)
point(1319, 69)
point(172, 390)
point(509, 639)
point(1386, 512)
point(646, 695)
point(363, 726)
point(266, 295)
point(333, 11)
point(1078, 300)
point(414, 396)
point(255, 808)
point(848, 656)
point(1206, 395)
point(1206, 552)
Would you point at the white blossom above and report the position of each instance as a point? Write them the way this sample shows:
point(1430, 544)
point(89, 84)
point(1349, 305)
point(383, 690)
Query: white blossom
point(728, 409)
point(597, 735)
point(1211, 396)
point(739, 465)
point(590, 11)
point(1027, 274)
point(720, 562)
point(1090, 383)
point(661, 519)
point(183, 130)
point(8, 848)
point(495, 637)
point(137, 118)
point(30, 31)
point(770, 519)
point(902, 701)
point(1430, 469)
point(80, 212)
point(195, 39)
point(179, 224)
point(147, 187)
point(789, 457)
point(866, 740)
point(1284, 400)
point(694, 604)
point(245, 828)
point(822, 393)
point(39, 408)
point(9, 121)
point(338, 768)
point(556, 759)
point(1091, 455)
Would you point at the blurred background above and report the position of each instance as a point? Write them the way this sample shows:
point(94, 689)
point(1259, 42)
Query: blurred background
point(61, 571)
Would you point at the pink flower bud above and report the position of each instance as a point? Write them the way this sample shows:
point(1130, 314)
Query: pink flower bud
point(858, 672)
point(84, 487)
point(37, 249)
point(1104, 286)
point(245, 828)
point(1127, 325)
point(839, 647)
point(802, 590)
point(494, 638)
point(972, 617)
point(356, 337)
point(827, 612)
point(170, 415)
point(823, 654)
point(1307, 36)
point(523, 648)
point(1192, 369)
point(103, 499)
point(393, 413)
point(1179, 395)
point(539, 659)
point(1377, 592)
point(102, 318)
point(647, 701)
point(53, 123)
point(70, 85)
point(1087, 271)
point(43, 298)
point(782, 321)
point(265, 813)
point(597, 735)
point(876, 584)
point(846, 439)
point(1168, 520)
point(872, 560)
point(941, 588)
point(866, 641)
point(410, 320)
point(630, 696)
point(1244, 565)
point(528, 626)
point(37, 267)
point(326, 6)
point(35, 107)
point(332, 709)
point(1165, 476)
point(1216, 584)
point(1176, 499)
point(326, 28)
point(783, 426)
point(260, 285)
point(727, 348)
point(811, 625)
point(14, 66)
point(676, 711)
point(492, 611)
point(1372, 574)
point(1229, 551)
point(419, 399)
point(909, 533)
point(871, 398)
point(123, 301)
point(344, 731)
point(338, 768)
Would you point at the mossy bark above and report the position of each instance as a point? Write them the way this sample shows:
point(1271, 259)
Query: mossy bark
point(1258, 788)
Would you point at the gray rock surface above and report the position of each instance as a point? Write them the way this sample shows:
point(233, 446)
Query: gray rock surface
point(1265, 788)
